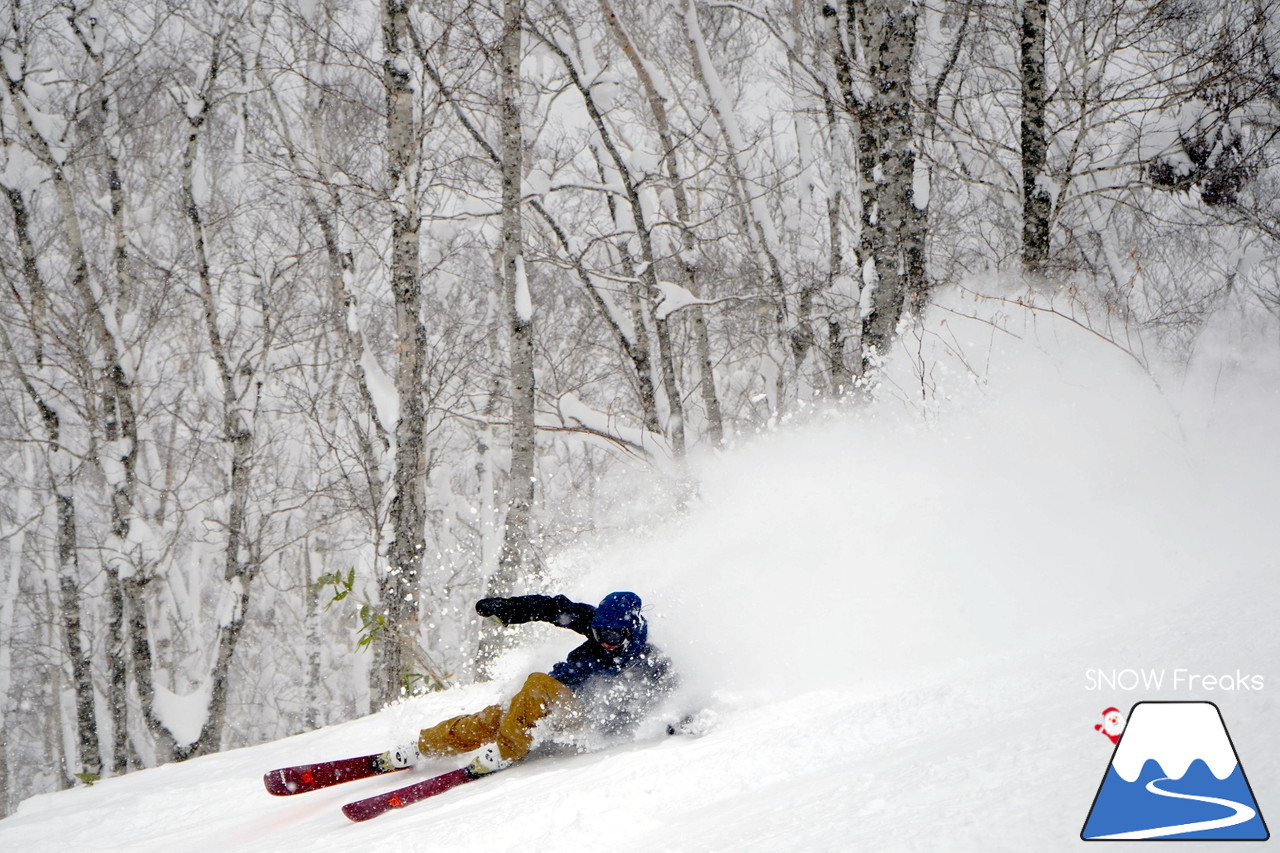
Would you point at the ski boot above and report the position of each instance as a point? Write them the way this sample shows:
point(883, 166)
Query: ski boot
point(488, 761)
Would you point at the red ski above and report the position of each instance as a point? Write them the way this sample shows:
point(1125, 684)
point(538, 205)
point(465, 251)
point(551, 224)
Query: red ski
point(288, 781)
point(371, 807)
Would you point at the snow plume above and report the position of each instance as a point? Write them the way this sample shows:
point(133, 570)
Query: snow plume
point(1019, 481)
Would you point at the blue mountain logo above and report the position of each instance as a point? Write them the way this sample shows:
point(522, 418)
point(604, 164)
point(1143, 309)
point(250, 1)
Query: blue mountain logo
point(1175, 774)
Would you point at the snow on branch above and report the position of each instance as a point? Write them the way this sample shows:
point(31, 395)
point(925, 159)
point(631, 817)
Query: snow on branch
point(577, 416)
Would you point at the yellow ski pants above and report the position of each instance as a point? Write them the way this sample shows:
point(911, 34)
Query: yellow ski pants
point(510, 727)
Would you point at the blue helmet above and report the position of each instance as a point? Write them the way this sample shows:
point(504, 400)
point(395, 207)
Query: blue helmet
point(619, 623)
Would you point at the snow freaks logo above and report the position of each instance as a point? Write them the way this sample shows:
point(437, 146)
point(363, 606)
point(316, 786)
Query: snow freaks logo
point(1174, 774)
point(1178, 679)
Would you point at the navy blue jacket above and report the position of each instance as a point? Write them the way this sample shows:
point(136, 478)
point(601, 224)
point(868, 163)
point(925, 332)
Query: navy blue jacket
point(625, 683)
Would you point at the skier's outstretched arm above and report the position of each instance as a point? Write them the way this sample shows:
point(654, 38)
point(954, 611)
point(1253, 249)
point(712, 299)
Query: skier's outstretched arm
point(555, 610)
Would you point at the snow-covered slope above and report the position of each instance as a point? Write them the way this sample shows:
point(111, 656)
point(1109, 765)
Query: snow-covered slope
point(893, 617)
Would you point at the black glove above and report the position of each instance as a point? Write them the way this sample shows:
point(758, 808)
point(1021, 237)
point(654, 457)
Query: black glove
point(498, 608)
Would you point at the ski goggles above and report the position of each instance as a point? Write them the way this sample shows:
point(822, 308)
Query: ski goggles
point(611, 637)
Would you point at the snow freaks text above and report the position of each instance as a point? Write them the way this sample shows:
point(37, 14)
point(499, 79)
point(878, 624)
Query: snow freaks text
point(1171, 679)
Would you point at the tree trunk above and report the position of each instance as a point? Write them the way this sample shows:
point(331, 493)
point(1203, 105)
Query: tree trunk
point(239, 383)
point(837, 361)
point(69, 605)
point(891, 238)
point(517, 556)
point(313, 717)
point(517, 559)
point(398, 585)
point(4, 757)
point(240, 567)
point(10, 580)
point(1036, 200)
point(117, 674)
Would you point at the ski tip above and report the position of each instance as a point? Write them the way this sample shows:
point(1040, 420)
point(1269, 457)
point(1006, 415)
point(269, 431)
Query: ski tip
point(288, 781)
point(277, 785)
point(380, 804)
point(363, 810)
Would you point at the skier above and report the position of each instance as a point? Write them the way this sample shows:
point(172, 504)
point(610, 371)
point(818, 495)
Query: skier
point(608, 683)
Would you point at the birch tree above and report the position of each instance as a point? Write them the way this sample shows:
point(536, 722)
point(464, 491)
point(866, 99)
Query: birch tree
point(518, 558)
point(1036, 199)
point(398, 585)
point(878, 102)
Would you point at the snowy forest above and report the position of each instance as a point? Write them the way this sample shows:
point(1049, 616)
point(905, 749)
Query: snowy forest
point(323, 319)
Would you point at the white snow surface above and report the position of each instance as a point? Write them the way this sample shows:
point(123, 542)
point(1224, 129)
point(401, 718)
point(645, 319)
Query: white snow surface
point(1174, 735)
point(889, 615)
point(524, 301)
point(184, 715)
